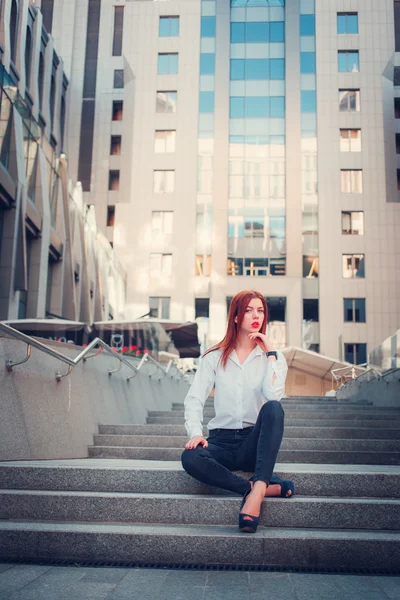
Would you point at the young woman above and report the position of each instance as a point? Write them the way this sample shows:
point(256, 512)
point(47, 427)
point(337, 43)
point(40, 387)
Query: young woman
point(246, 432)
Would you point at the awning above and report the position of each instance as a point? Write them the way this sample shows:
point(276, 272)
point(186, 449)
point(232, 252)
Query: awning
point(312, 363)
point(74, 332)
point(151, 334)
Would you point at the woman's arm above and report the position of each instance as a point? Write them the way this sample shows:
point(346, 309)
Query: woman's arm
point(273, 386)
point(197, 395)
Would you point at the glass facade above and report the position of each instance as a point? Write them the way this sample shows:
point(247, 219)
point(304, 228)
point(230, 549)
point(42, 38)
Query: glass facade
point(257, 167)
point(205, 156)
point(308, 139)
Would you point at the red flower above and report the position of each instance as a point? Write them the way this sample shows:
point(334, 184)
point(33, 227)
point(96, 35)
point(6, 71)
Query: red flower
point(145, 351)
point(84, 345)
point(125, 349)
point(132, 348)
point(138, 352)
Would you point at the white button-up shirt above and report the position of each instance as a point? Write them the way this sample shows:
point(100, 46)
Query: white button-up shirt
point(240, 389)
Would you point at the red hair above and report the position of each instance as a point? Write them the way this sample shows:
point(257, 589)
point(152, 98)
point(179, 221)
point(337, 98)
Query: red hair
point(237, 309)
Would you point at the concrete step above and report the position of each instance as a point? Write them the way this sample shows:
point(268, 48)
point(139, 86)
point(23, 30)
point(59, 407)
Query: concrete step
point(389, 424)
point(342, 432)
point(314, 415)
point(296, 456)
point(336, 409)
point(212, 544)
point(164, 441)
point(161, 477)
point(308, 401)
point(184, 509)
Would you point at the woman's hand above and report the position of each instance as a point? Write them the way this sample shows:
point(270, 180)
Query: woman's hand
point(195, 441)
point(261, 340)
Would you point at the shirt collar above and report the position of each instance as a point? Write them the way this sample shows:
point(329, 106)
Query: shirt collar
point(257, 351)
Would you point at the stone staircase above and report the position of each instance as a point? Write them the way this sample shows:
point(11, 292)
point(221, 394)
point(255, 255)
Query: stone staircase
point(131, 501)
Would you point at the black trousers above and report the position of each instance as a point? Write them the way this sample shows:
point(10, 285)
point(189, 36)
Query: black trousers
point(252, 449)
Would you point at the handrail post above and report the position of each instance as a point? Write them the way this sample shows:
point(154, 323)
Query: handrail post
point(10, 364)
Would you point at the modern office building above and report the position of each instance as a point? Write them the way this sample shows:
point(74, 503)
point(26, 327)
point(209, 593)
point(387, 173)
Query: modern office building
point(244, 144)
point(54, 261)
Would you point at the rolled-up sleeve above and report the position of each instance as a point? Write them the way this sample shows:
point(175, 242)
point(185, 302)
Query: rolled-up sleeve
point(275, 390)
point(197, 395)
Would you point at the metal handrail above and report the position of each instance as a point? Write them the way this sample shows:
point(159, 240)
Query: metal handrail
point(349, 374)
point(72, 362)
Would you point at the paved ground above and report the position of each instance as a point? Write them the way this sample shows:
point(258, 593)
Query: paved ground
point(34, 582)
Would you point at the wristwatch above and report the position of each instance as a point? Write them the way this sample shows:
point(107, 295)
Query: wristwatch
point(272, 353)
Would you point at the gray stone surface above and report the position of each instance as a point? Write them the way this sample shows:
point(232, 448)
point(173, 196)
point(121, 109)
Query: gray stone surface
point(370, 414)
point(333, 513)
point(290, 431)
point(288, 443)
point(302, 456)
point(41, 418)
point(111, 475)
point(165, 584)
point(299, 422)
point(18, 577)
point(202, 544)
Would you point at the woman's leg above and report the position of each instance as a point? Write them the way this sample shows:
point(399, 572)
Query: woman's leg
point(213, 466)
point(259, 452)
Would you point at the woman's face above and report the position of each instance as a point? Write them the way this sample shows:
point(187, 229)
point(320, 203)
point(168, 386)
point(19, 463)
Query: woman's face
point(254, 316)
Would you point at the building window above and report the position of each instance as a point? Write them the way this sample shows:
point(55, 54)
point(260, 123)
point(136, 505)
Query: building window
point(118, 30)
point(28, 57)
point(351, 182)
point(350, 140)
point(352, 223)
point(166, 102)
point(398, 179)
point(202, 307)
point(41, 80)
point(347, 22)
point(310, 266)
point(397, 108)
point(355, 354)
point(168, 27)
point(13, 29)
point(164, 182)
point(117, 110)
point(118, 78)
point(307, 63)
point(115, 146)
point(110, 216)
point(311, 310)
point(164, 142)
point(203, 265)
point(253, 227)
point(349, 101)
point(348, 61)
point(354, 310)
point(168, 64)
point(160, 264)
point(208, 27)
point(353, 266)
point(207, 64)
point(159, 307)
point(206, 102)
point(396, 76)
point(307, 25)
point(52, 100)
point(113, 181)
point(162, 222)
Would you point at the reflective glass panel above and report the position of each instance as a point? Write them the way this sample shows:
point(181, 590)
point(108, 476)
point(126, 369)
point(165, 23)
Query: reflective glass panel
point(207, 64)
point(236, 107)
point(256, 32)
point(257, 68)
point(307, 25)
point(256, 107)
point(308, 101)
point(206, 102)
point(208, 26)
point(277, 68)
point(307, 62)
point(237, 69)
point(277, 32)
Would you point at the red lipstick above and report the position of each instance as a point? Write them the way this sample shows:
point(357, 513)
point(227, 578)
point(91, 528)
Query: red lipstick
point(255, 324)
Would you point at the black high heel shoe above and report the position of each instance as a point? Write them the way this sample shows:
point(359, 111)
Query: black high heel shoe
point(250, 524)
